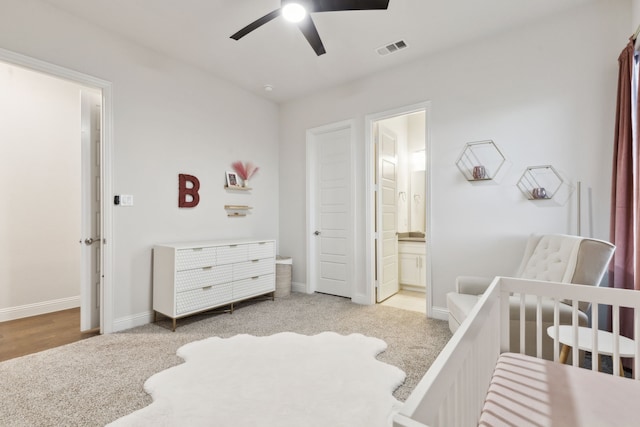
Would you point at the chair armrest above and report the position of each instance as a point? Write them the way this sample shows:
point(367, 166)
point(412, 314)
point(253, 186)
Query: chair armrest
point(472, 285)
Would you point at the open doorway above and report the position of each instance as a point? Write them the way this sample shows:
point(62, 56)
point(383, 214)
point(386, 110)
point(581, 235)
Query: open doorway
point(399, 228)
point(54, 228)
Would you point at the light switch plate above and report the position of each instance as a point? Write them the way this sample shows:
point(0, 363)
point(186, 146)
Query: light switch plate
point(126, 200)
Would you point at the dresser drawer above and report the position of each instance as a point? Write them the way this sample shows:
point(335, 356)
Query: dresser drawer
point(203, 298)
point(187, 259)
point(232, 253)
point(201, 277)
point(254, 286)
point(253, 268)
point(262, 250)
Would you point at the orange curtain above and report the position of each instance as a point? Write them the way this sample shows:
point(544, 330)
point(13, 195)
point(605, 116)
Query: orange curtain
point(625, 189)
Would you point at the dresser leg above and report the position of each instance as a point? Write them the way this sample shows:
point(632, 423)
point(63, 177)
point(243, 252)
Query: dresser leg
point(174, 325)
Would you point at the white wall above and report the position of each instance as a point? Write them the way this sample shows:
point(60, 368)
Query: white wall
point(169, 118)
point(417, 137)
point(40, 189)
point(544, 92)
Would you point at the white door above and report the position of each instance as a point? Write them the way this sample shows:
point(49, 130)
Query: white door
point(331, 227)
point(91, 242)
point(387, 214)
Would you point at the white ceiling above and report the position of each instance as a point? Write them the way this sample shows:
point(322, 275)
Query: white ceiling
point(197, 31)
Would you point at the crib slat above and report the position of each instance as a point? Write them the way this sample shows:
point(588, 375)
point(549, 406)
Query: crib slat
point(575, 352)
point(616, 339)
point(522, 323)
point(539, 327)
point(505, 307)
point(556, 329)
point(455, 396)
point(636, 338)
point(595, 322)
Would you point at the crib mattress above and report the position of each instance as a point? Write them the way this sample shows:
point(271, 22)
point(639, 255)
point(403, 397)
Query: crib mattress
point(526, 391)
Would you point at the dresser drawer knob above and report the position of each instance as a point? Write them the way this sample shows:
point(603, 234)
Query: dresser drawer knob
point(207, 268)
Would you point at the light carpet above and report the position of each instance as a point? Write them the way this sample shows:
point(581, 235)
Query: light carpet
point(98, 380)
point(281, 380)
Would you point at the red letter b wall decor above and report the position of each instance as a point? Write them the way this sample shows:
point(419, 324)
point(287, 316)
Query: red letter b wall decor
point(188, 197)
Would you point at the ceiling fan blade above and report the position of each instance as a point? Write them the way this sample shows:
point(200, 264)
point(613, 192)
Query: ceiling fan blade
point(310, 32)
point(338, 5)
point(256, 24)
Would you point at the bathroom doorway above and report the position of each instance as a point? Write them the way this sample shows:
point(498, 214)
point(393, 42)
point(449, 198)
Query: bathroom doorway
point(399, 201)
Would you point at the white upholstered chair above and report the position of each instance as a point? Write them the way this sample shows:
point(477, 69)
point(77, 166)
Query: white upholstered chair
point(554, 257)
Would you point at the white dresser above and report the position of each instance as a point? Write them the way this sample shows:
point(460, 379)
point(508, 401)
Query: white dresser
point(192, 277)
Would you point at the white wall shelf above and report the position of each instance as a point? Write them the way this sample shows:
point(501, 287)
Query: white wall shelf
point(237, 210)
point(540, 182)
point(480, 161)
point(237, 188)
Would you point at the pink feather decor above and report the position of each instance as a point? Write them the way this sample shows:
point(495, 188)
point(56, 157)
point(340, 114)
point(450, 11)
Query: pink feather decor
point(244, 170)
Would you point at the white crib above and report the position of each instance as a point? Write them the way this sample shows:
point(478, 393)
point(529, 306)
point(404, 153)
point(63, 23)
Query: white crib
point(454, 389)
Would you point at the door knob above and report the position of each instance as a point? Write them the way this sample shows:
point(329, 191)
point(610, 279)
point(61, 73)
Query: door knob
point(317, 233)
point(91, 240)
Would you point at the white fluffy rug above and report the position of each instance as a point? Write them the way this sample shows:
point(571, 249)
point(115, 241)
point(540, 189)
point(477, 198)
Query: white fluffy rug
point(281, 380)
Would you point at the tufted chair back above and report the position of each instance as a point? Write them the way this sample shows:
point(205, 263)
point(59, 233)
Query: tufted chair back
point(566, 259)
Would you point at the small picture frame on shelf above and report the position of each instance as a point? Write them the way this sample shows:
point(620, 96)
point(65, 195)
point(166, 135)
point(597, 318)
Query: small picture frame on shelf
point(233, 180)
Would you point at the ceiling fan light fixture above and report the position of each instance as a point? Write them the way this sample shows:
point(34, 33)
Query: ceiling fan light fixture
point(293, 12)
point(299, 11)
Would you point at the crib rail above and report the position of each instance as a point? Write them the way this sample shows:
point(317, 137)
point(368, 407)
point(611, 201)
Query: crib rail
point(453, 389)
point(576, 295)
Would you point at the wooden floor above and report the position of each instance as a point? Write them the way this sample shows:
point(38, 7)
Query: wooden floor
point(33, 334)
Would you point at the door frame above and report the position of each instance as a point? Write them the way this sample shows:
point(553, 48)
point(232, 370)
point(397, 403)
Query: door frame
point(311, 243)
point(106, 281)
point(370, 189)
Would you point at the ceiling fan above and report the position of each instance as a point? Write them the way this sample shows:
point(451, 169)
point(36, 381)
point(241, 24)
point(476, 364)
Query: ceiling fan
point(299, 11)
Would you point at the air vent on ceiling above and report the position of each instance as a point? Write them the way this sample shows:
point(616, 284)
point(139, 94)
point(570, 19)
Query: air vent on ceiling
point(392, 48)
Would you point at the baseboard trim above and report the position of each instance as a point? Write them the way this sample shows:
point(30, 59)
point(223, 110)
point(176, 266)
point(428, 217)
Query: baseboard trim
point(361, 299)
point(413, 288)
point(439, 313)
point(299, 287)
point(132, 321)
point(35, 309)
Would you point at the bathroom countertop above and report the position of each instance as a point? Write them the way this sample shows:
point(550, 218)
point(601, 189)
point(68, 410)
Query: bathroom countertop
point(411, 236)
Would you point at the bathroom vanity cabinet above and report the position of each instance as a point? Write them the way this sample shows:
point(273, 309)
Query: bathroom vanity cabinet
point(413, 267)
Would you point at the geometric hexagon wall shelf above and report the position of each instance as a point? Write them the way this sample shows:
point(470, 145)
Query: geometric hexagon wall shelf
point(540, 182)
point(480, 161)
